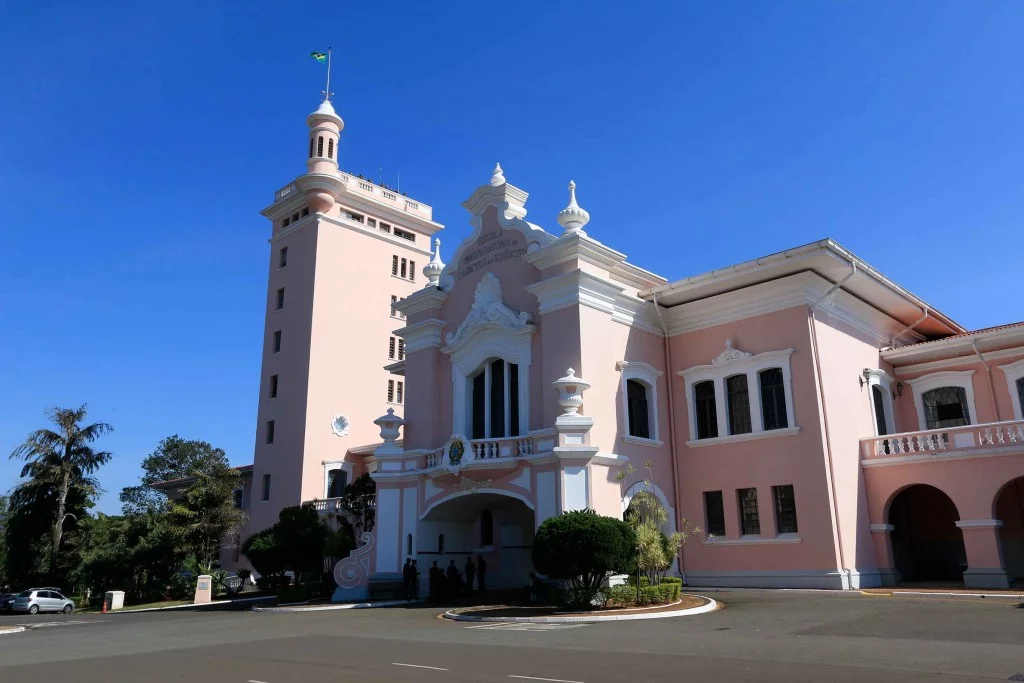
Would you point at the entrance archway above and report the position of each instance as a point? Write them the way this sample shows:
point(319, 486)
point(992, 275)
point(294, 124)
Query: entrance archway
point(496, 527)
point(926, 543)
point(1009, 509)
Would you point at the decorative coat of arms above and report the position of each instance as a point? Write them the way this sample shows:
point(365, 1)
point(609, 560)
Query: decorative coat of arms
point(456, 453)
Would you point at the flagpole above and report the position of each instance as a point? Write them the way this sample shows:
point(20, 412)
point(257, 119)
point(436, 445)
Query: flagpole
point(327, 92)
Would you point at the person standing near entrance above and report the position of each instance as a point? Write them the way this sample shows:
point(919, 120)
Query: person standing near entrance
point(415, 576)
point(454, 579)
point(470, 572)
point(407, 578)
point(436, 578)
point(481, 571)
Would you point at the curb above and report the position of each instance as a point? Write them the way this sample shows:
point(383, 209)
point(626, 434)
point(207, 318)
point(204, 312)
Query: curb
point(330, 608)
point(13, 629)
point(1018, 597)
point(209, 606)
point(711, 606)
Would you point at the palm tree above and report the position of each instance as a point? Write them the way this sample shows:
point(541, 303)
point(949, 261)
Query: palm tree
point(63, 457)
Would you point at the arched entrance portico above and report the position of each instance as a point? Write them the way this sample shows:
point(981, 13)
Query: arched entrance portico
point(926, 543)
point(495, 526)
point(1009, 509)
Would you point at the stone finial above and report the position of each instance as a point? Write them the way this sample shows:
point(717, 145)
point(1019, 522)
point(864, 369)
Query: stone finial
point(432, 271)
point(573, 217)
point(497, 176)
point(570, 392)
point(389, 425)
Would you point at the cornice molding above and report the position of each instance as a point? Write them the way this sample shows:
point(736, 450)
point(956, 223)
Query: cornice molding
point(904, 370)
point(425, 334)
point(426, 299)
point(580, 288)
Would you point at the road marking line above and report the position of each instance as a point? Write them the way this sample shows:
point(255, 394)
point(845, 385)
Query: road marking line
point(418, 666)
point(552, 680)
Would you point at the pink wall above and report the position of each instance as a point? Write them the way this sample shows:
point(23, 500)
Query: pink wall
point(762, 463)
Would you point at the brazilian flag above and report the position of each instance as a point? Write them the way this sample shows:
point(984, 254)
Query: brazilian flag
point(319, 56)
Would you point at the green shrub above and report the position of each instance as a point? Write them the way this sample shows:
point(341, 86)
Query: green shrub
point(672, 579)
point(583, 547)
point(626, 595)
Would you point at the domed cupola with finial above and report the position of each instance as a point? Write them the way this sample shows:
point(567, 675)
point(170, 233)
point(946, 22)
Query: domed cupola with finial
point(322, 185)
point(573, 217)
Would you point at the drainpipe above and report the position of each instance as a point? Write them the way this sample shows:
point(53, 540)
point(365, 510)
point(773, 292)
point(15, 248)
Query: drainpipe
point(908, 328)
point(991, 388)
point(824, 417)
point(671, 425)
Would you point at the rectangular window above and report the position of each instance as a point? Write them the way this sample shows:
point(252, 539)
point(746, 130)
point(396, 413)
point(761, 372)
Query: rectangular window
point(497, 398)
point(266, 487)
point(401, 349)
point(785, 509)
point(282, 257)
point(280, 298)
point(238, 495)
point(399, 391)
point(946, 407)
point(391, 391)
point(391, 348)
point(405, 234)
point(479, 405)
point(286, 222)
point(305, 212)
point(295, 216)
point(385, 227)
point(402, 271)
point(394, 265)
point(394, 311)
point(750, 522)
point(739, 404)
point(277, 341)
point(636, 409)
point(371, 222)
point(704, 407)
point(273, 386)
point(773, 399)
point(714, 513)
point(513, 399)
point(270, 431)
point(412, 270)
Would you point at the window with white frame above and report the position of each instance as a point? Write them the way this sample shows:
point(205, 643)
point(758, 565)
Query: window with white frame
point(944, 399)
point(740, 395)
point(880, 395)
point(639, 387)
point(1015, 382)
point(337, 480)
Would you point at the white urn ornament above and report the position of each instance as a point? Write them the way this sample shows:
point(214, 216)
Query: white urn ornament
point(570, 392)
point(389, 425)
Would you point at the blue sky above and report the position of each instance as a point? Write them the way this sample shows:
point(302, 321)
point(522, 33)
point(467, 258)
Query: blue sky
point(138, 142)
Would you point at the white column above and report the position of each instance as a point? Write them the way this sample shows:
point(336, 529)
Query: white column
point(721, 407)
point(507, 400)
point(487, 401)
point(754, 393)
point(387, 529)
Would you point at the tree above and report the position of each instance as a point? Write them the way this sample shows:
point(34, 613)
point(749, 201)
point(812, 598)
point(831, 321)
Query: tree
point(174, 458)
point(582, 548)
point(360, 501)
point(266, 556)
point(4, 512)
point(63, 457)
point(297, 542)
point(205, 514)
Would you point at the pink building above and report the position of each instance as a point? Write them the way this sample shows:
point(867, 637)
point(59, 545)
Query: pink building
point(828, 428)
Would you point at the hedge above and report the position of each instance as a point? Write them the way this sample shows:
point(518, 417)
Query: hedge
point(662, 594)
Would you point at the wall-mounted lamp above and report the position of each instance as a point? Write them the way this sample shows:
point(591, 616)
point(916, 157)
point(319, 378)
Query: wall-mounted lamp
point(899, 390)
point(864, 375)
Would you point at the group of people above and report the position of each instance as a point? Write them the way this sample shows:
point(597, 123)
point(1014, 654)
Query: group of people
point(446, 583)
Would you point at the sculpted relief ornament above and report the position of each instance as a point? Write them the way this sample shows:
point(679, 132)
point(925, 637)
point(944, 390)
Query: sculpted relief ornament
point(488, 307)
point(730, 354)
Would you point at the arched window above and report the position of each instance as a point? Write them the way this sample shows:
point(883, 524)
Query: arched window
point(738, 399)
point(773, 399)
point(311, 148)
point(486, 528)
point(320, 146)
point(946, 407)
point(637, 407)
point(337, 480)
point(704, 405)
point(440, 544)
point(879, 401)
point(495, 401)
point(330, 148)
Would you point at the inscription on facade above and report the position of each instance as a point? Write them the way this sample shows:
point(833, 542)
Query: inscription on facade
point(492, 247)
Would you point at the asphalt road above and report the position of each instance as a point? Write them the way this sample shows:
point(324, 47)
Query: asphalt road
point(759, 636)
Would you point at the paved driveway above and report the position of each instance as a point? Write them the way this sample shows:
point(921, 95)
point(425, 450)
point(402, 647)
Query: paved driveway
point(759, 636)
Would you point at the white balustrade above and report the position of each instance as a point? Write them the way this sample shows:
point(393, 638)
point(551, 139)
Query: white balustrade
point(949, 440)
point(488, 449)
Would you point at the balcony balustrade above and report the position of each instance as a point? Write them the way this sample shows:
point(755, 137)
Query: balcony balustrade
point(488, 450)
point(951, 440)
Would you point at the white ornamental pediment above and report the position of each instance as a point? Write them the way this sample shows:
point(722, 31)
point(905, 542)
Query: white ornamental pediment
point(489, 308)
point(730, 354)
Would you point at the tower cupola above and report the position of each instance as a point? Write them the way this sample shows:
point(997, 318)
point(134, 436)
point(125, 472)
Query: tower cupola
point(324, 133)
